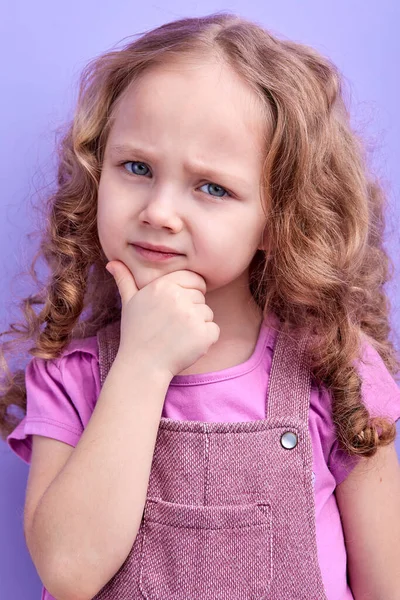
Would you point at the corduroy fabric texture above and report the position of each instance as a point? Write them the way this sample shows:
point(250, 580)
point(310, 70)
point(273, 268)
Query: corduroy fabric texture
point(229, 513)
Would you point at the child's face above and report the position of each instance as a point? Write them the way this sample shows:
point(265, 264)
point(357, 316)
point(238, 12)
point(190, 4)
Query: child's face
point(181, 114)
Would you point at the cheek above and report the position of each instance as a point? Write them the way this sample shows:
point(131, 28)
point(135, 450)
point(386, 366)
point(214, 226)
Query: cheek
point(109, 219)
point(228, 252)
point(225, 261)
point(233, 243)
point(104, 224)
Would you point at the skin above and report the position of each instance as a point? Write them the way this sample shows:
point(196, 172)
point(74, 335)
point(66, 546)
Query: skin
point(190, 110)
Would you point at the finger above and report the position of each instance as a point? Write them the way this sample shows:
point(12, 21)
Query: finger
point(207, 313)
point(196, 296)
point(188, 279)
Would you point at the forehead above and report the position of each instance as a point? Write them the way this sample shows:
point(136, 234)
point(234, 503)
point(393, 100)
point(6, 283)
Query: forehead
point(196, 101)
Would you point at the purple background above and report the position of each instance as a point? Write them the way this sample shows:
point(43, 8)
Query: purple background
point(43, 47)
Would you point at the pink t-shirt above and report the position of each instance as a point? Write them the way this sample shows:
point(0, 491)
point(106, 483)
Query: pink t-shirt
point(61, 396)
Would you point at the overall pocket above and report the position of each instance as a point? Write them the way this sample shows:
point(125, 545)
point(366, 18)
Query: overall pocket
point(206, 552)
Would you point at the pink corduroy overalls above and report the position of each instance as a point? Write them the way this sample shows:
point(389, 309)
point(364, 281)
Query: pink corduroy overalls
point(229, 513)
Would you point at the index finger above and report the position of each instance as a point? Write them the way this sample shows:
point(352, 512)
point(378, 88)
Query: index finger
point(188, 279)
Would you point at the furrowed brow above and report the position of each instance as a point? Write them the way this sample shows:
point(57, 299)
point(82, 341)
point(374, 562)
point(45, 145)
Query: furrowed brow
point(200, 168)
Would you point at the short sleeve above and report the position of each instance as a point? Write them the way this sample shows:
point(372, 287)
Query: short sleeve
point(61, 395)
point(381, 396)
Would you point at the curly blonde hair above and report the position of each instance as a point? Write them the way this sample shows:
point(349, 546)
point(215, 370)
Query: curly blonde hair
point(324, 267)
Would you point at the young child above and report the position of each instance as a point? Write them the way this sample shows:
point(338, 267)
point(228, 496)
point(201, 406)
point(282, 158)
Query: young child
point(216, 419)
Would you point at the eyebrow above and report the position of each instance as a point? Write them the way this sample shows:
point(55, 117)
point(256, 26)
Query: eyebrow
point(201, 168)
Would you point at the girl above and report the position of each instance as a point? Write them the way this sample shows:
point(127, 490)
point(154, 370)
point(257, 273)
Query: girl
point(216, 419)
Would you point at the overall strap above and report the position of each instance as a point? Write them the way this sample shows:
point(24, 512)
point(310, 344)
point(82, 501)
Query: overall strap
point(108, 342)
point(290, 379)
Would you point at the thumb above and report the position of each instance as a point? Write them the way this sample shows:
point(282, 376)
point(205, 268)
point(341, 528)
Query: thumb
point(123, 278)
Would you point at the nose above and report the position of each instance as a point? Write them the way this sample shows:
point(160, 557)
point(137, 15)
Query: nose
point(161, 211)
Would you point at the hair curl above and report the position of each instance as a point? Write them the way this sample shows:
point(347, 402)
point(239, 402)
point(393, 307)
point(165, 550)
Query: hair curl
point(324, 267)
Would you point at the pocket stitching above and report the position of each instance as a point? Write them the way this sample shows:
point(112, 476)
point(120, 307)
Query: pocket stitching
point(267, 517)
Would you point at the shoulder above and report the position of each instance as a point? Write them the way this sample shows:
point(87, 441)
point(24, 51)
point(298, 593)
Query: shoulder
point(90, 346)
point(80, 347)
point(379, 390)
point(78, 366)
point(74, 370)
point(380, 394)
point(60, 396)
point(73, 376)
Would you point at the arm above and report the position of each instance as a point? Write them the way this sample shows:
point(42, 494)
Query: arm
point(88, 518)
point(369, 505)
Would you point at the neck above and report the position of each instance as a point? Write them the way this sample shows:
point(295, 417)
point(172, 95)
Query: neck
point(235, 311)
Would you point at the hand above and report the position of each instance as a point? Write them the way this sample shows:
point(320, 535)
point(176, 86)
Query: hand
point(167, 321)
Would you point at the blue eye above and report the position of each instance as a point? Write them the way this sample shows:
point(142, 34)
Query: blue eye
point(217, 186)
point(130, 162)
point(134, 162)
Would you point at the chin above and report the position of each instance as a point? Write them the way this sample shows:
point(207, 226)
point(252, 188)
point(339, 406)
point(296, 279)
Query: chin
point(145, 276)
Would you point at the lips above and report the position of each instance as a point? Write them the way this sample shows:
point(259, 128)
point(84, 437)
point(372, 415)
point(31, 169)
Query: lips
point(160, 249)
point(153, 255)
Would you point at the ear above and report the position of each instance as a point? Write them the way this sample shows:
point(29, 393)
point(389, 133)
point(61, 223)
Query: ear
point(262, 245)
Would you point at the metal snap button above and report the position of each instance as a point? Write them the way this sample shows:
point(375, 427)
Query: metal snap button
point(289, 440)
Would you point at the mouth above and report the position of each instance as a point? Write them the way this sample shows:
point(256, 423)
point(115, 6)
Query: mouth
point(153, 255)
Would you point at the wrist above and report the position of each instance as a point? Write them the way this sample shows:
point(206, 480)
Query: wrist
point(143, 366)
